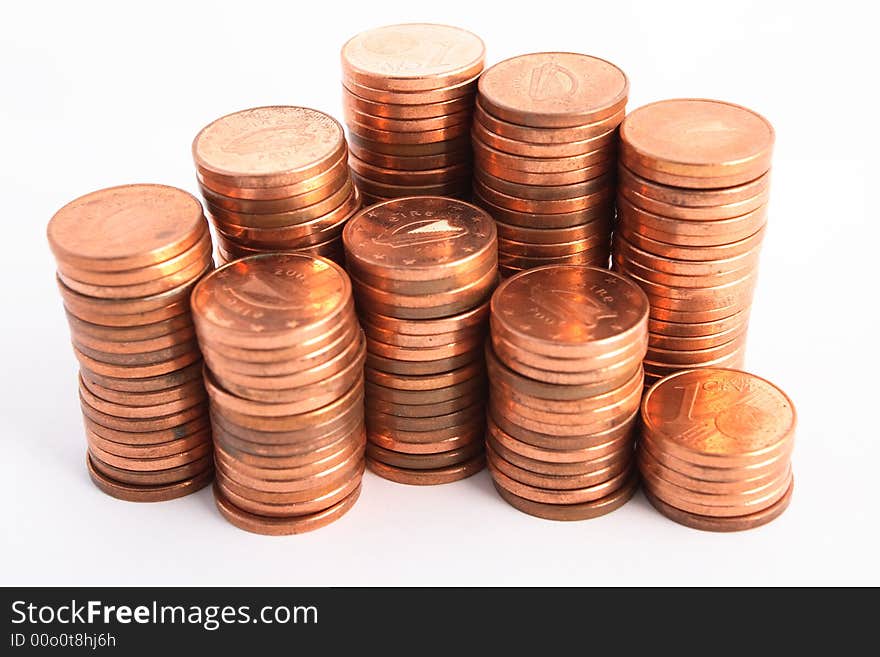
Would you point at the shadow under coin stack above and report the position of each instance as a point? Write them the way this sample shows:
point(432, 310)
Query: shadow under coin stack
point(127, 260)
point(423, 270)
point(692, 207)
point(408, 93)
point(545, 157)
point(565, 382)
point(715, 451)
point(284, 371)
point(276, 179)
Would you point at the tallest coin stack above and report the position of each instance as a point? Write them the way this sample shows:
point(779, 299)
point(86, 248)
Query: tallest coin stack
point(692, 207)
point(408, 92)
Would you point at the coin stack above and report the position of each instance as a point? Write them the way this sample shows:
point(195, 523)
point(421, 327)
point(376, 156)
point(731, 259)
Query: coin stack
point(127, 259)
point(276, 179)
point(545, 153)
point(408, 93)
point(284, 371)
point(715, 450)
point(565, 381)
point(423, 269)
point(692, 206)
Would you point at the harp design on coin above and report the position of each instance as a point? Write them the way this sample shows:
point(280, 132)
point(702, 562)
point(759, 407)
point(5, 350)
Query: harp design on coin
point(420, 233)
point(280, 140)
point(259, 292)
point(569, 307)
point(551, 81)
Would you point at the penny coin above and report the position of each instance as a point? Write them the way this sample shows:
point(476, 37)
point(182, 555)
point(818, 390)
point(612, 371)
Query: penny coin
point(428, 477)
point(424, 461)
point(571, 512)
point(157, 493)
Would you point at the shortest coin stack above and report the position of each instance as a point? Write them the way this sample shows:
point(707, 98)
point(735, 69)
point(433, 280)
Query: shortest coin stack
point(127, 259)
point(715, 451)
point(565, 381)
point(276, 179)
point(408, 93)
point(423, 269)
point(284, 374)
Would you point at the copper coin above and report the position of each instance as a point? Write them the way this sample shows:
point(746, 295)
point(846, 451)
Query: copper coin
point(421, 368)
point(283, 526)
point(546, 135)
point(572, 512)
point(271, 300)
point(144, 359)
point(530, 149)
point(700, 316)
point(563, 469)
point(721, 524)
point(427, 442)
point(333, 382)
point(510, 265)
point(178, 337)
point(411, 163)
point(274, 444)
point(323, 500)
point(146, 385)
point(269, 218)
point(158, 493)
point(695, 298)
point(695, 356)
point(412, 125)
point(603, 211)
point(135, 411)
point(431, 477)
point(623, 263)
point(413, 57)
point(471, 319)
point(562, 206)
point(697, 329)
point(659, 341)
point(718, 417)
point(389, 423)
point(584, 447)
point(188, 357)
point(155, 477)
point(229, 251)
point(152, 464)
point(444, 134)
point(283, 202)
point(684, 199)
point(570, 311)
point(487, 156)
point(269, 456)
point(691, 233)
point(701, 213)
point(560, 178)
point(268, 146)
point(419, 238)
point(680, 267)
point(696, 143)
point(473, 387)
point(424, 461)
point(553, 89)
point(440, 408)
point(176, 446)
point(454, 144)
point(655, 370)
point(187, 428)
point(464, 89)
point(528, 250)
point(429, 341)
point(126, 334)
point(406, 112)
point(546, 192)
point(417, 178)
point(126, 227)
point(553, 450)
point(140, 425)
point(692, 253)
point(459, 186)
point(552, 496)
point(421, 354)
point(553, 482)
point(498, 371)
point(417, 383)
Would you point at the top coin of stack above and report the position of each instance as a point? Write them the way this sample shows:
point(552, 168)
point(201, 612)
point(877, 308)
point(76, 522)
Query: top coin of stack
point(408, 92)
point(692, 208)
point(127, 259)
point(545, 154)
point(715, 451)
point(276, 179)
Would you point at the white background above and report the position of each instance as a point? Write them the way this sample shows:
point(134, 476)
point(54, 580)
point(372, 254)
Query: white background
point(101, 94)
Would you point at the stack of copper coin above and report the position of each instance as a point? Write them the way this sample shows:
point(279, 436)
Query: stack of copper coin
point(276, 179)
point(423, 269)
point(715, 451)
point(408, 92)
point(127, 259)
point(545, 150)
point(284, 371)
point(565, 381)
point(692, 206)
